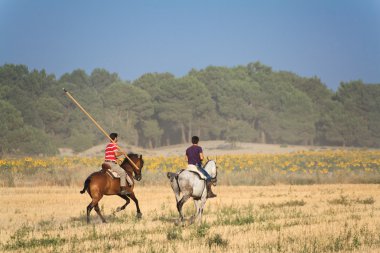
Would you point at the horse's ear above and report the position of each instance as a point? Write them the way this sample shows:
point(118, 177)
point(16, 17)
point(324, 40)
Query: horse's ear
point(140, 156)
point(208, 159)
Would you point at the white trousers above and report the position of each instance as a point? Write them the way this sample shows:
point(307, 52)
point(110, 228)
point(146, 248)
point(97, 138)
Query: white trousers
point(121, 172)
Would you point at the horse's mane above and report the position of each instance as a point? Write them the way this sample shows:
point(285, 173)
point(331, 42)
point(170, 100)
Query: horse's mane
point(131, 156)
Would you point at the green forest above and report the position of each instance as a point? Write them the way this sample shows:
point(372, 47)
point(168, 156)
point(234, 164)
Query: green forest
point(249, 103)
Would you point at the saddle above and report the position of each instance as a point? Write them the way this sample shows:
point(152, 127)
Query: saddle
point(193, 168)
point(107, 169)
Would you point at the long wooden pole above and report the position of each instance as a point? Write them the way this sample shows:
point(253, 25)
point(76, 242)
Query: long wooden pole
point(99, 127)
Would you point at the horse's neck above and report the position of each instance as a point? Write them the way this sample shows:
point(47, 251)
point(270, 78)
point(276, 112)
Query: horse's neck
point(128, 167)
point(208, 167)
point(128, 170)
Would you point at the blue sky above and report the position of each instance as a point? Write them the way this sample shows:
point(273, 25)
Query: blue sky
point(336, 40)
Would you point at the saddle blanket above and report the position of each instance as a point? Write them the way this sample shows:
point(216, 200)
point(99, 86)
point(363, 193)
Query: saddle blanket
point(194, 168)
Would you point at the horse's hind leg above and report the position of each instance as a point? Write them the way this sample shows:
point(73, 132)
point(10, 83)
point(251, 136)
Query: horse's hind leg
point(180, 204)
point(97, 209)
point(133, 197)
point(89, 208)
point(94, 203)
point(194, 216)
point(125, 205)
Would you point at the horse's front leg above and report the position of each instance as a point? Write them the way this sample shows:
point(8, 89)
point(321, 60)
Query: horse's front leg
point(199, 205)
point(125, 205)
point(202, 203)
point(133, 197)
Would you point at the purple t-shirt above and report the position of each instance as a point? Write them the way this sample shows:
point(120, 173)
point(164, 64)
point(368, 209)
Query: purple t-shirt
point(192, 154)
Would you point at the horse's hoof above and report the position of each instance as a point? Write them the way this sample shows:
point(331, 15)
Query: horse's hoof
point(118, 209)
point(139, 215)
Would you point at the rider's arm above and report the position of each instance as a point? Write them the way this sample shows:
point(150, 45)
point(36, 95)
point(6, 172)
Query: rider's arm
point(201, 156)
point(118, 152)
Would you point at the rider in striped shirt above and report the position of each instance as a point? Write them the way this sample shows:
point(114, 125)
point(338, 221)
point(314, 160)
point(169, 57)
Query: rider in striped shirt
point(111, 153)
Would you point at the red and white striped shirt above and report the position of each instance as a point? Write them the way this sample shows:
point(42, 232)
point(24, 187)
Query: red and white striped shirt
point(110, 152)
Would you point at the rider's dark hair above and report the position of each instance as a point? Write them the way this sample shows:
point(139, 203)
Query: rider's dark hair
point(113, 136)
point(195, 139)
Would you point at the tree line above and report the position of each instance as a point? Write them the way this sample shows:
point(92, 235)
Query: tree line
point(249, 103)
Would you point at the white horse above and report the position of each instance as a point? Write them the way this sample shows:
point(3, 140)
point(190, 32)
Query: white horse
point(190, 184)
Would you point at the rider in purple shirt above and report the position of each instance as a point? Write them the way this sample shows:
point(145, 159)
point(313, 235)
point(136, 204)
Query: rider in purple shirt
point(194, 155)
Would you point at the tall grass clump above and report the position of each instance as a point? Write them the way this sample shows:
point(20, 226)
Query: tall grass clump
point(217, 240)
point(174, 233)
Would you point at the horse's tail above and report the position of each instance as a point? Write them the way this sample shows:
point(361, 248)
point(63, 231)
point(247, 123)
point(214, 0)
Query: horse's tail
point(171, 175)
point(174, 177)
point(86, 184)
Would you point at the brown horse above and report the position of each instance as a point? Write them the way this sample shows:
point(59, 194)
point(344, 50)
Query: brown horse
point(100, 183)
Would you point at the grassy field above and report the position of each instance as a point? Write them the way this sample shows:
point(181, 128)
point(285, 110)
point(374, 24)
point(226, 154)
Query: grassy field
point(281, 218)
point(282, 200)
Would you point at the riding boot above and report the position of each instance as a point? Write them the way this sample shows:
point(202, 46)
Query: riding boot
point(210, 194)
point(123, 191)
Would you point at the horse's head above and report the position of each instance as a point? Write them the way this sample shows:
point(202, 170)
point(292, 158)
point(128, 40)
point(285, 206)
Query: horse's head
point(136, 159)
point(211, 169)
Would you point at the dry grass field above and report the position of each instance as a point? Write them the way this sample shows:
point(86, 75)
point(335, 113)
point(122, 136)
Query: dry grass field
point(280, 218)
point(271, 198)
